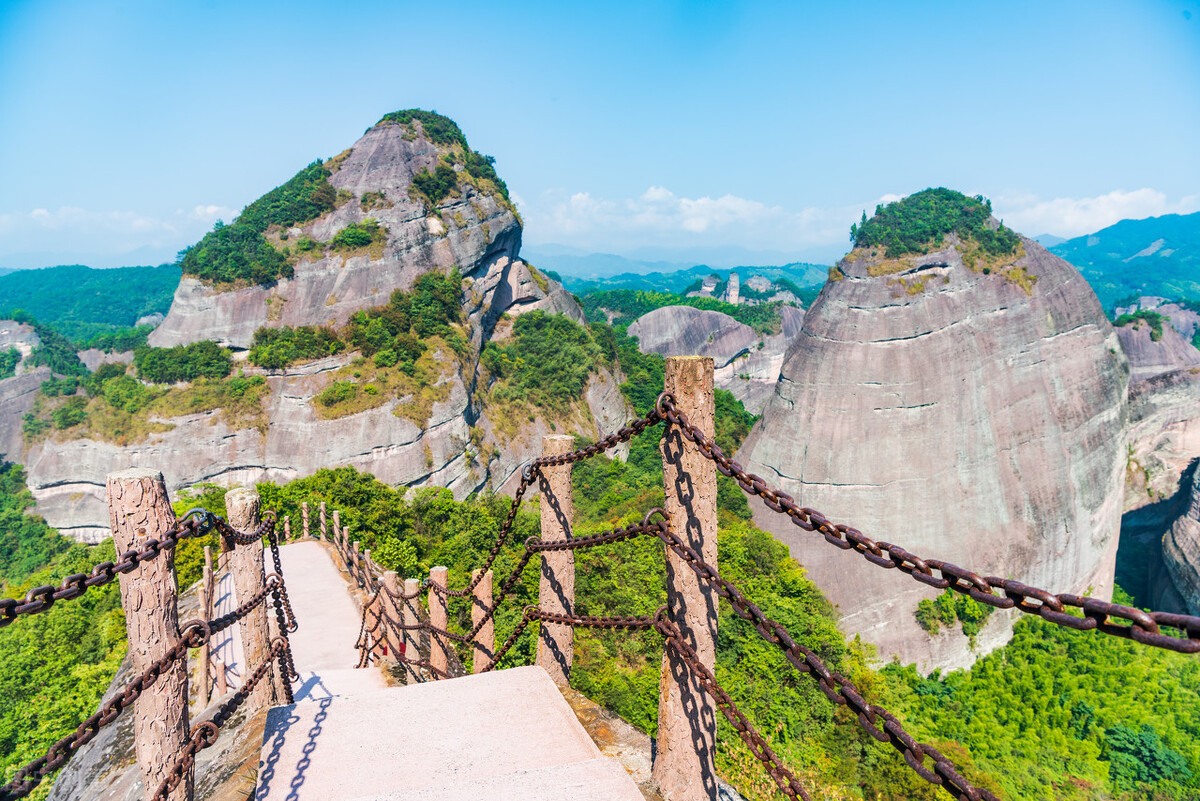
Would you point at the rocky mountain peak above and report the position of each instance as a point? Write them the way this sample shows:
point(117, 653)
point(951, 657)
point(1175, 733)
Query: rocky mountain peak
point(958, 391)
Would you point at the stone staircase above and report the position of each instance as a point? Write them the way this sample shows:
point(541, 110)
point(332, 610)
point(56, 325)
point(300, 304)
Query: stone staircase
point(509, 734)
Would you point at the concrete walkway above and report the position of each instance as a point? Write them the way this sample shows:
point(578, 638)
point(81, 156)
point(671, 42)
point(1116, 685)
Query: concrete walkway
point(323, 646)
point(503, 735)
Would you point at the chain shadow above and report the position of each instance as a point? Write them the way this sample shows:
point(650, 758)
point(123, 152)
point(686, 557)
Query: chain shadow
point(278, 740)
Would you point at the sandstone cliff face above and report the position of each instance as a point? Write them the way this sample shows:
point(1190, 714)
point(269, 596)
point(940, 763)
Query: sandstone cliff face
point(741, 366)
point(1148, 357)
point(1181, 550)
point(477, 232)
point(67, 478)
point(954, 414)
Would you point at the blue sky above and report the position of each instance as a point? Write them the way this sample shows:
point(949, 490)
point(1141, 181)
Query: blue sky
point(127, 129)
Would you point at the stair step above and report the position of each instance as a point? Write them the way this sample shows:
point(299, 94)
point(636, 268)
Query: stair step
point(496, 735)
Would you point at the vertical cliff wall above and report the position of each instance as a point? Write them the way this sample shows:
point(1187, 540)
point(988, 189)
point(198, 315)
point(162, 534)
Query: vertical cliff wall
point(970, 415)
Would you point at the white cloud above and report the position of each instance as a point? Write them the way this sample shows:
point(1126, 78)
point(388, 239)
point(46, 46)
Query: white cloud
point(101, 238)
point(1066, 216)
point(659, 217)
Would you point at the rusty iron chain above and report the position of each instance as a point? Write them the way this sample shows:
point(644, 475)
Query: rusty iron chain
point(837, 688)
point(1143, 627)
point(206, 733)
point(627, 432)
point(196, 523)
point(784, 779)
point(195, 633)
point(364, 657)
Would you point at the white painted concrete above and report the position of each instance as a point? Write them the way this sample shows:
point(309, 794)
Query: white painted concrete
point(502, 735)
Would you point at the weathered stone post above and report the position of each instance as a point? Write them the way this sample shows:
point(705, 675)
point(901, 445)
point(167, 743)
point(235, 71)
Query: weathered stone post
point(344, 544)
point(304, 519)
point(393, 635)
point(222, 678)
point(246, 565)
point(138, 509)
point(209, 584)
point(481, 602)
point(439, 618)
point(556, 641)
point(356, 568)
point(324, 530)
point(687, 722)
point(410, 617)
point(337, 531)
point(204, 691)
point(287, 528)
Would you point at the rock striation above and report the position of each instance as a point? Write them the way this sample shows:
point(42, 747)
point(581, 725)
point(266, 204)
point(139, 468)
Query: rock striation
point(472, 230)
point(747, 365)
point(1149, 356)
point(975, 417)
point(1181, 550)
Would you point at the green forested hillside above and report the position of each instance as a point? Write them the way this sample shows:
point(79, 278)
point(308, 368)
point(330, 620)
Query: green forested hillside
point(1157, 256)
point(81, 302)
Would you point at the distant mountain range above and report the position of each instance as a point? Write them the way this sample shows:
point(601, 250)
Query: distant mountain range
point(1156, 256)
point(805, 276)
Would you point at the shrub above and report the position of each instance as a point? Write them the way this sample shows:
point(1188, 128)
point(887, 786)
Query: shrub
point(337, 392)
point(8, 362)
point(434, 187)
point(386, 358)
point(358, 235)
point(71, 413)
point(276, 348)
point(1153, 318)
point(204, 359)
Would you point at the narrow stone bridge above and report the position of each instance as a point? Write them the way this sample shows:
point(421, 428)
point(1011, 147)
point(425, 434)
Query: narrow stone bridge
point(506, 734)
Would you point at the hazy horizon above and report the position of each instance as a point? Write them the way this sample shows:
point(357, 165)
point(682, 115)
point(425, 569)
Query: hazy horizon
point(127, 131)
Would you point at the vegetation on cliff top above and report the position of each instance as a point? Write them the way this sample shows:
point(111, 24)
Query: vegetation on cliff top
point(626, 305)
point(920, 221)
point(239, 253)
point(432, 187)
point(1153, 318)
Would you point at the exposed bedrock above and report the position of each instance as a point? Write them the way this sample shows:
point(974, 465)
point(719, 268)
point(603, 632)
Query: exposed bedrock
point(475, 231)
point(958, 415)
point(746, 364)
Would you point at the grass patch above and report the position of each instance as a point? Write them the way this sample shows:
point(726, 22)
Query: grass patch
point(370, 383)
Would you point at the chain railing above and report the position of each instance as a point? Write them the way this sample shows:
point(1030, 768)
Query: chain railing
point(924, 759)
point(193, 634)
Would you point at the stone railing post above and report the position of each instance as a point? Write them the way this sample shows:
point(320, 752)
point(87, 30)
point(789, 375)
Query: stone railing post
point(324, 529)
point(246, 565)
point(304, 519)
point(684, 768)
point(410, 617)
point(287, 528)
point(481, 602)
point(222, 678)
point(337, 532)
point(356, 569)
point(138, 509)
point(344, 544)
point(556, 641)
point(439, 618)
point(389, 594)
point(204, 690)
